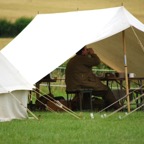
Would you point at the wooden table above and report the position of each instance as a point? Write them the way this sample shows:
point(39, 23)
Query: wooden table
point(139, 81)
point(47, 79)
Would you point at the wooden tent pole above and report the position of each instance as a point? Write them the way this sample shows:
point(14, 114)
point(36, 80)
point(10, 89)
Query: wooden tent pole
point(126, 71)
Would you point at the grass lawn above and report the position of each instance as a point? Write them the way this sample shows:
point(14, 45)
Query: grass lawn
point(62, 128)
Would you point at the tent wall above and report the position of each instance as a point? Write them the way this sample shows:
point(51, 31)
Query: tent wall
point(10, 108)
point(10, 77)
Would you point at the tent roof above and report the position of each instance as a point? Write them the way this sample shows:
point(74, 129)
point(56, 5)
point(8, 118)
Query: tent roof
point(51, 39)
point(111, 51)
point(10, 79)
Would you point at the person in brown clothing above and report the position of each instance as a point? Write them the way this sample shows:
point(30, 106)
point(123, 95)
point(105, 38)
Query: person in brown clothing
point(79, 75)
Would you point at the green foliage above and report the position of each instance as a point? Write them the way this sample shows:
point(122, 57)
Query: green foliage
point(21, 23)
point(9, 29)
point(6, 27)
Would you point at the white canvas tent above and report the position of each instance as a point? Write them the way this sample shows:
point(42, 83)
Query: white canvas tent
point(13, 92)
point(51, 39)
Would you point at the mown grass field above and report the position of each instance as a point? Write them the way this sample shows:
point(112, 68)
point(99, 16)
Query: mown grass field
point(13, 9)
point(62, 128)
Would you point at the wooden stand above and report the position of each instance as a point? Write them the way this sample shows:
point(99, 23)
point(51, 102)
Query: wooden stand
point(47, 79)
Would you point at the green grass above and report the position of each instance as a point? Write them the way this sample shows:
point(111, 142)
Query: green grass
point(62, 128)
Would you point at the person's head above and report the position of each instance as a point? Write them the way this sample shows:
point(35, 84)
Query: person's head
point(83, 51)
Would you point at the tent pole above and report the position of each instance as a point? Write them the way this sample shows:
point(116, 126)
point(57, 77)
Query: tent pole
point(126, 71)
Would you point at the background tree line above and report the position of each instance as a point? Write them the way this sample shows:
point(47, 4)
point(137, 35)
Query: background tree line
point(12, 29)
